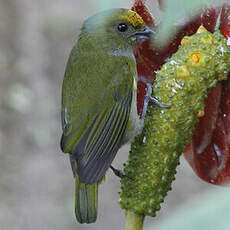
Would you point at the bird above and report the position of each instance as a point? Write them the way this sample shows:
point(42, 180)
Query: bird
point(99, 109)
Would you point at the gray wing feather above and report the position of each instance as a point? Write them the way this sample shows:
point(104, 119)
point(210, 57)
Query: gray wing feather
point(95, 152)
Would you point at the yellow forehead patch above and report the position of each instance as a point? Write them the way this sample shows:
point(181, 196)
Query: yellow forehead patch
point(133, 18)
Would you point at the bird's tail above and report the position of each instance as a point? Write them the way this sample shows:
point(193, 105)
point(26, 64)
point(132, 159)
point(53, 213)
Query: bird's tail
point(86, 202)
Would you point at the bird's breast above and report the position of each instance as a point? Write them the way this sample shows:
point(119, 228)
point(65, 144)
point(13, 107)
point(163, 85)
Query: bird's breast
point(135, 124)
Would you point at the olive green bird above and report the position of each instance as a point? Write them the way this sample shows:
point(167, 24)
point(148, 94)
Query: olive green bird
point(99, 111)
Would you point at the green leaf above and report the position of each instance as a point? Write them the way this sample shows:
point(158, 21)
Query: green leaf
point(209, 211)
point(178, 12)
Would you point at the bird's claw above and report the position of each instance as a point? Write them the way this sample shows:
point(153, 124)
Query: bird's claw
point(152, 99)
point(119, 173)
point(159, 104)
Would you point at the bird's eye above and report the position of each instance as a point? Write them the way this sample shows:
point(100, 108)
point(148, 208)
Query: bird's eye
point(122, 27)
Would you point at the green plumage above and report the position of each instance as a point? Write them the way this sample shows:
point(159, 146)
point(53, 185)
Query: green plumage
point(86, 202)
point(99, 101)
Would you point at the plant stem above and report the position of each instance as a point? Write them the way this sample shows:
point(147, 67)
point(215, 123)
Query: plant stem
point(134, 221)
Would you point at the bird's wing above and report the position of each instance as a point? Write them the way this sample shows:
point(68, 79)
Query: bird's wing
point(96, 104)
point(96, 148)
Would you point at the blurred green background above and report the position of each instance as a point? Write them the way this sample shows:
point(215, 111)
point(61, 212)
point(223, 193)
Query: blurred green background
point(36, 182)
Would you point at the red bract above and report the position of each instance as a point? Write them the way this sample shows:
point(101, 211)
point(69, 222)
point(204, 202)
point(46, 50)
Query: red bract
point(209, 151)
point(150, 58)
point(225, 20)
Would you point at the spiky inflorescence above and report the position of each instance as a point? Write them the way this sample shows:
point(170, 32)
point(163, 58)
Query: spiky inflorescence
point(183, 82)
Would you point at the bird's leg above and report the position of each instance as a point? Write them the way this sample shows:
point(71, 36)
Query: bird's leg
point(118, 172)
point(148, 98)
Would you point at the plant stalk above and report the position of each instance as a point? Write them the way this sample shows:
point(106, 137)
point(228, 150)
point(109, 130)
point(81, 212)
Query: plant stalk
point(134, 221)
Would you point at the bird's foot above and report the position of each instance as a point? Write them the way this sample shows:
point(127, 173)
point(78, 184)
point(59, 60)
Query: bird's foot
point(148, 98)
point(118, 172)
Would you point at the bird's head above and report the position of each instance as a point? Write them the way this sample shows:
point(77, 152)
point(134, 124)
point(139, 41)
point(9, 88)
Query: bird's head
point(117, 29)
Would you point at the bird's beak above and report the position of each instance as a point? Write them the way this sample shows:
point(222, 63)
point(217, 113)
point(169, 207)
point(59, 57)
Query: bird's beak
point(145, 34)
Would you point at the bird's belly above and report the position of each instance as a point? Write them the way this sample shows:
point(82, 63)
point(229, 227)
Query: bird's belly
point(135, 124)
